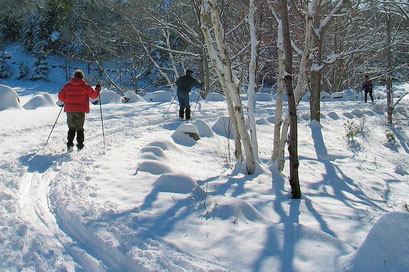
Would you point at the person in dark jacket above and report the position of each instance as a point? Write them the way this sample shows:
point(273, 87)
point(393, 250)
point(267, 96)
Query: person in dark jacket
point(367, 87)
point(75, 95)
point(184, 85)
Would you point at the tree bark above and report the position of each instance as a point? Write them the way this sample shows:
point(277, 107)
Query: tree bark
point(389, 94)
point(225, 74)
point(293, 141)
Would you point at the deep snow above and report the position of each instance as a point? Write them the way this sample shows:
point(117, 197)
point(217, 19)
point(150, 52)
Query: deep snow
point(156, 200)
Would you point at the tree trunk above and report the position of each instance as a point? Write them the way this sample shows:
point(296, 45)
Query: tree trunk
point(389, 94)
point(251, 92)
point(316, 74)
point(225, 74)
point(300, 90)
point(216, 64)
point(279, 105)
point(293, 141)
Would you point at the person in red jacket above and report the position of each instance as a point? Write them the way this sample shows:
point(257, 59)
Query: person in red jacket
point(75, 95)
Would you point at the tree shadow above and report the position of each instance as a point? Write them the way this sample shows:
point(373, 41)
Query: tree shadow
point(40, 163)
point(402, 141)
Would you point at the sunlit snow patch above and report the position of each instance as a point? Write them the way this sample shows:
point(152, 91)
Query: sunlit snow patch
point(159, 96)
point(131, 97)
point(38, 101)
point(186, 134)
point(203, 128)
point(108, 97)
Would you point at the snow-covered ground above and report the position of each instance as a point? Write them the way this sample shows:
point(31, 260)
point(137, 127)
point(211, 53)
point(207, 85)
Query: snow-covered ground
point(155, 199)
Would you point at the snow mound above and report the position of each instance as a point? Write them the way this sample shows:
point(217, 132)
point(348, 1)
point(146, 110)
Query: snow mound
point(214, 97)
point(154, 167)
point(176, 183)
point(159, 96)
point(39, 100)
point(8, 98)
point(164, 145)
point(203, 128)
point(132, 97)
point(223, 127)
point(235, 208)
point(350, 95)
point(186, 134)
point(338, 96)
point(325, 96)
point(110, 97)
point(385, 248)
point(263, 97)
point(156, 151)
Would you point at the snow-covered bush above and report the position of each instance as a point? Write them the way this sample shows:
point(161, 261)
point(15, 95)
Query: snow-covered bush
point(108, 97)
point(8, 98)
point(186, 134)
point(39, 100)
point(158, 96)
point(131, 97)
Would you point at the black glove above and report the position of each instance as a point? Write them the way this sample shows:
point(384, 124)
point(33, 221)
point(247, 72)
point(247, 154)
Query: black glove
point(98, 86)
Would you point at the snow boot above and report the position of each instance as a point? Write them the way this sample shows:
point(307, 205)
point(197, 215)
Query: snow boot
point(187, 113)
point(181, 114)
point(80, 140)
point(70, 139)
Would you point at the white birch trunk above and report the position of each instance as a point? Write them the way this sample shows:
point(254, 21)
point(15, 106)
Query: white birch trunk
point(301, 86)
point(278, 118)
point(251, 102)
point(219, 70)
point(231, 83)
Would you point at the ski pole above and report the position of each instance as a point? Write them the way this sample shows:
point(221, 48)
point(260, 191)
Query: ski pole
point(102, 119)
point(197, 102)
point(170, 105)
point(58, 116)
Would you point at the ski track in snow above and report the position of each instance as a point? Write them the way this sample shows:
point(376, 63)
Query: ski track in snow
point(44, 186)
point(48, 223)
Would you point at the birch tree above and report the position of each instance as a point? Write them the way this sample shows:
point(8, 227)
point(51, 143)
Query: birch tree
point(280, 136)
point(221, 60)
point(252, 79)
point(292, 109)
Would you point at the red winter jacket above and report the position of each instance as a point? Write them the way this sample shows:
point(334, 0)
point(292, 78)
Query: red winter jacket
point(75, 95)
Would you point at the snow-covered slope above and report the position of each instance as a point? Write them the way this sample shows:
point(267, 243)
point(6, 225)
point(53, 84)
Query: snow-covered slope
point(153, 202)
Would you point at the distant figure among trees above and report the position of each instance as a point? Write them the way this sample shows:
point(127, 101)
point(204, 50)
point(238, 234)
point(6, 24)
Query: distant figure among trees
point(367, 87)
point(184, 85)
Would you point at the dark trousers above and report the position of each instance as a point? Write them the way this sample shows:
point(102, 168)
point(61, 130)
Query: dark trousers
point(184, 104)
point(75, 121)
point(370, 94)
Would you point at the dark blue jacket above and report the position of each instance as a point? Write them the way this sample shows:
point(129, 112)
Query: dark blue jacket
point(367, 86)
point(185, 83)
